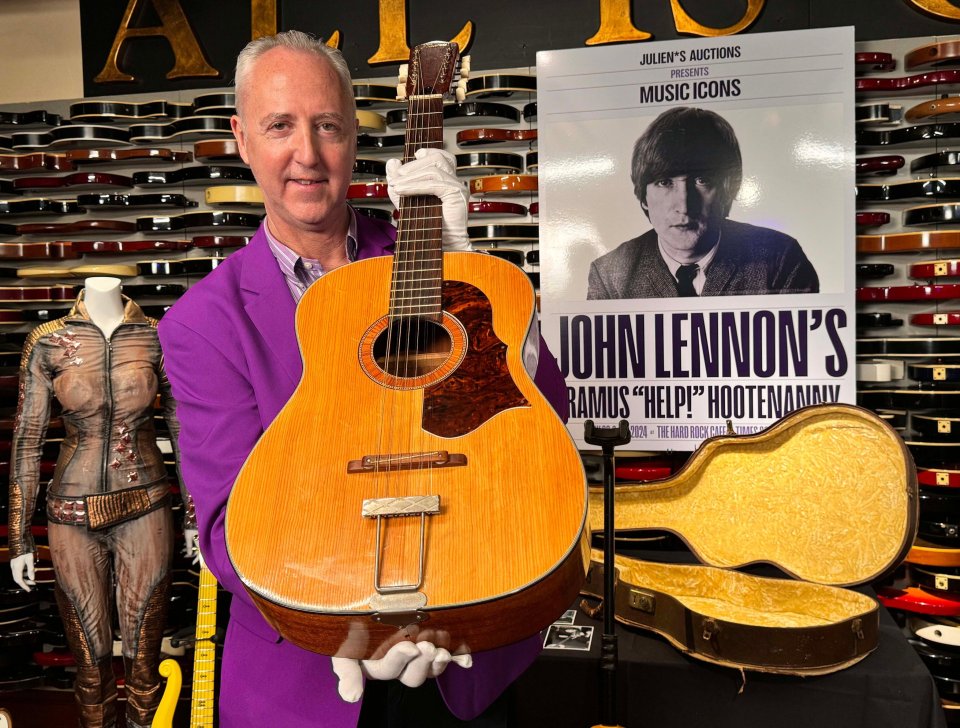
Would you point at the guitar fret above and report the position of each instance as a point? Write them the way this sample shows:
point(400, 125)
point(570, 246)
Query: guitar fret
point(413, 290)
point(402, 299)
point(416, 273)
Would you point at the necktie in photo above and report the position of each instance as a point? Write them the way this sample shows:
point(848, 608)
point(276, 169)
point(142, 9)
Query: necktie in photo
point(685, 276)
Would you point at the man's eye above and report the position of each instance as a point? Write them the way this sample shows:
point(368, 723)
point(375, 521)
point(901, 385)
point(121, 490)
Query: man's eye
point(278, 126)
point(663, 182)
point(704, 182)
point(329, 127)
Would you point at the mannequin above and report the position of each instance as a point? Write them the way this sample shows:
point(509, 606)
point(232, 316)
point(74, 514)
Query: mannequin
point(108, 506)
point(104, 303)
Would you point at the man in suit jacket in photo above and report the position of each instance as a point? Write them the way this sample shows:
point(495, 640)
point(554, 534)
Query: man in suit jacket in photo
point(686, 172)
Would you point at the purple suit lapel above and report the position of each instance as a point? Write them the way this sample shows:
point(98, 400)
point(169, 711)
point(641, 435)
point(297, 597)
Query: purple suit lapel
point(268, 303)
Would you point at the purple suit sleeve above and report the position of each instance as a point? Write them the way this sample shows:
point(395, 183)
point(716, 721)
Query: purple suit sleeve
point(469, 692)
point(219, 425)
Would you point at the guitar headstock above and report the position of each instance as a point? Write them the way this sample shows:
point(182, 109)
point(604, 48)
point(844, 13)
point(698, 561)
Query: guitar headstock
point(432, 70)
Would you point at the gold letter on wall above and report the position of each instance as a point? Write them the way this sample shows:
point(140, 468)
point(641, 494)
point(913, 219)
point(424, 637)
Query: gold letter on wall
point(685, 24)
point(263, 18)
point(941, 8)
point(616, 25)
point(189, 59)
point(393, 34)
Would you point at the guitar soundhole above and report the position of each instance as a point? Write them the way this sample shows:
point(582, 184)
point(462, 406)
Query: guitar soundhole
point(412, 347)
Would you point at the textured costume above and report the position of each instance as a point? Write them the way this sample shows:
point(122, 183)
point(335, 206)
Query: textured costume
point(750, 260)
point(234, 361)
point(108, 505)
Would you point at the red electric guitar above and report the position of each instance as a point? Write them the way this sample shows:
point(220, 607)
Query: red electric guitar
point(418, 484)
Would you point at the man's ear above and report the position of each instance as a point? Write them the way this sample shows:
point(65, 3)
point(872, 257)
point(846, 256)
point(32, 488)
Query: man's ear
point(237, 126)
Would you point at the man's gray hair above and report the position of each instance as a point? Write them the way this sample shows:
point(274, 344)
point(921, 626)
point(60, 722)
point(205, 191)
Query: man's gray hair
point(295, 40)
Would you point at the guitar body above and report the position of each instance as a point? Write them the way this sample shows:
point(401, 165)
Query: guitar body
point(504, 551)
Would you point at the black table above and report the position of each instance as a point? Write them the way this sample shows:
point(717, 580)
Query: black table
point(660, 687)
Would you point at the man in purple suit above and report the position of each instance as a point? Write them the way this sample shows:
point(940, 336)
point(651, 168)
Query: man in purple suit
point(232, 357)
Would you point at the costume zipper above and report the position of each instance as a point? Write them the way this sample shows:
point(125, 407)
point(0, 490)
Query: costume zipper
point(108, 388)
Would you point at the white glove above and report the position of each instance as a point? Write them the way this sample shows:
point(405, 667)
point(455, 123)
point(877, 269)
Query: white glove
point(21, 565)
point(411, 663)
point(433, 172)
point(190, 544)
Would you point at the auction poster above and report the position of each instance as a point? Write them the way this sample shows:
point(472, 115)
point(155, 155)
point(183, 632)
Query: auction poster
point(773, 327)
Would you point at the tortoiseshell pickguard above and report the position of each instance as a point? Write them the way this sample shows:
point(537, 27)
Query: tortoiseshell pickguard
point(481, 386)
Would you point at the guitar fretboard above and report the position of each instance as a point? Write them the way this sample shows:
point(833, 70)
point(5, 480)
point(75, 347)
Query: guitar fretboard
point(203, 703)
point(418, 262)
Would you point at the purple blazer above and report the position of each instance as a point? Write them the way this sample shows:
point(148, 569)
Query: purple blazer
point(232, 357)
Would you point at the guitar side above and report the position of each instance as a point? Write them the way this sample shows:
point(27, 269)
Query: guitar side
point(506, 552)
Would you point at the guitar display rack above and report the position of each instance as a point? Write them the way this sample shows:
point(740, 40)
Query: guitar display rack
point(908, 234)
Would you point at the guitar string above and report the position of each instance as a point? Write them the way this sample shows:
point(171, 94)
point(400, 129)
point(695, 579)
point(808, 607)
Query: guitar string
point(435, 262)
point(418, 282)
point(396, 333)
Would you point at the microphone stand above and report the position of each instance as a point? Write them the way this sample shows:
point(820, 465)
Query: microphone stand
point(608, 438)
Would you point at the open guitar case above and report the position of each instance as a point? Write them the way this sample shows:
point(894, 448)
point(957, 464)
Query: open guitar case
point(828, 495)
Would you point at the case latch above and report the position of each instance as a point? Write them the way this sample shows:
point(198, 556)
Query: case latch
point(710, 629)
point(642, 601)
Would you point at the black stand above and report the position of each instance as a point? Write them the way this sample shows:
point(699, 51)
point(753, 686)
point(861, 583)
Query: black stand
point(608, 438)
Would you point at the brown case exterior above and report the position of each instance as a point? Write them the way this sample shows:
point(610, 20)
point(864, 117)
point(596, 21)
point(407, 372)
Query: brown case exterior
point(741, 620)
point(828, 495)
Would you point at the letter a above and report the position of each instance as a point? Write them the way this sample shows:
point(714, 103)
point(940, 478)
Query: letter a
point(189, 59)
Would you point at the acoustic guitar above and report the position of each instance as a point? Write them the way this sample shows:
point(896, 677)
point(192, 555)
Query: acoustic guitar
point(419, 484)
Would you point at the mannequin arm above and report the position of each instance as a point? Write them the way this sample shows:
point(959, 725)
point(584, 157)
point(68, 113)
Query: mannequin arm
point(169, 406)
point(33, 416)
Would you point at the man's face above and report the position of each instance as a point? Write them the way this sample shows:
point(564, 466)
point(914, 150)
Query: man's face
point(299, 136)
point(686, 211)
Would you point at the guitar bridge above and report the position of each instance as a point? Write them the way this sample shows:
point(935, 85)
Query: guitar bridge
point(406, 461)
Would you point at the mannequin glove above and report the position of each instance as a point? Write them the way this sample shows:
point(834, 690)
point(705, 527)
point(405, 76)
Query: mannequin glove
point(190, 548)
point(410, 663)
point(433, 172)
point(23, 571)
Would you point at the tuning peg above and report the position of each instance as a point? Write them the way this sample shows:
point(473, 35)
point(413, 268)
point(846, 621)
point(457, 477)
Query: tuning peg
point(461, 91)
point(402, 74)
point(402, 91)
point(464, 66)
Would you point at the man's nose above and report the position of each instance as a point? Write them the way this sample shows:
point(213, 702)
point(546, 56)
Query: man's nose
point(307, 149)
point(687, 196)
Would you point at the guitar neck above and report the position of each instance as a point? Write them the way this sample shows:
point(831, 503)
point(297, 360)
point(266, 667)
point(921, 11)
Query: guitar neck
point(203, 702)
point(418, 263)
